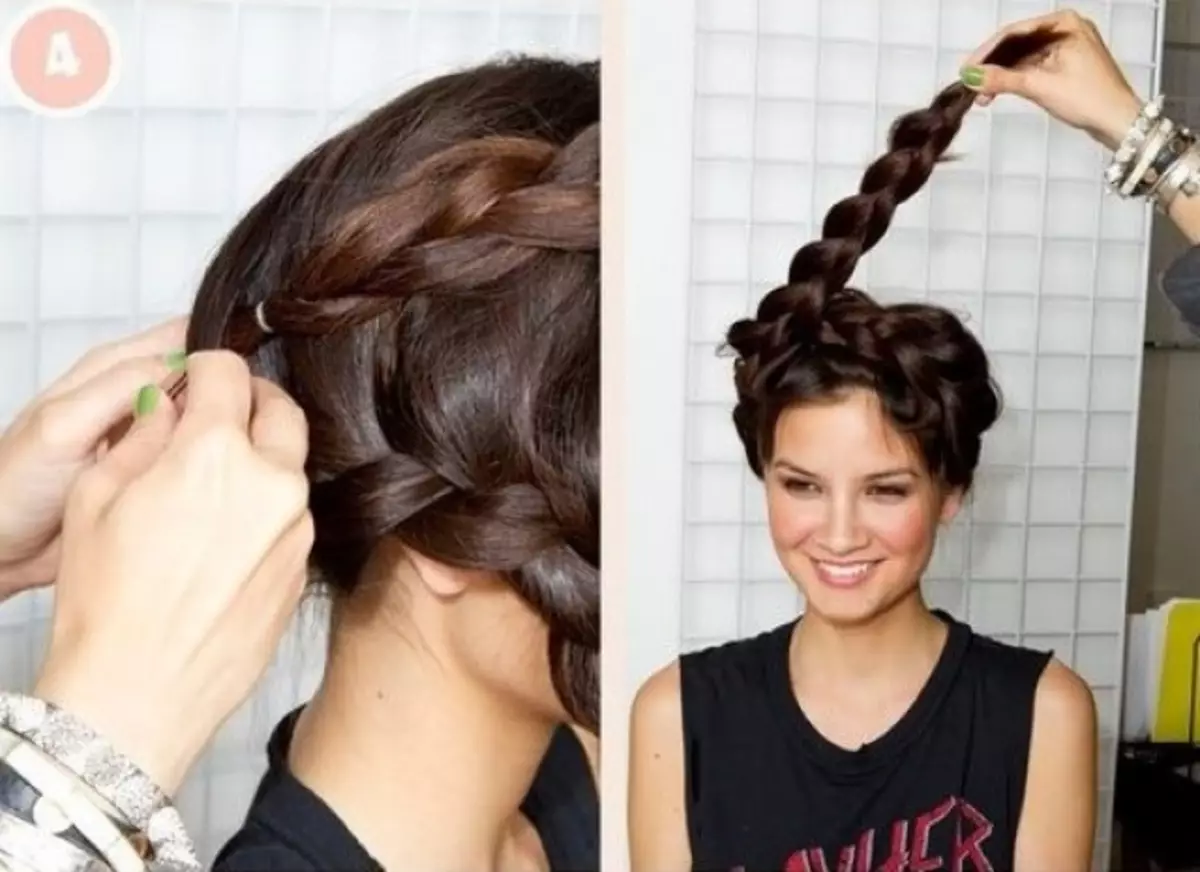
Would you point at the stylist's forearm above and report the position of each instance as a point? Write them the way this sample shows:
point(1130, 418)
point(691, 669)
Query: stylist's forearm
point(155, 731)
point(1185, 214)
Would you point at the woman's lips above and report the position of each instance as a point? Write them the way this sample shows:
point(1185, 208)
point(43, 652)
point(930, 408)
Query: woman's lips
point(845, 575)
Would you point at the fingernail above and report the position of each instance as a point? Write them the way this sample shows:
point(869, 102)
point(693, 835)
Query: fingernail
point(972, 77)
point(177, 360)
point(146, 401)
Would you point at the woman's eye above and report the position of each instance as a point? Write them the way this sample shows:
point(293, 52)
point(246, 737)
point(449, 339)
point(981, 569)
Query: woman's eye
point(894, 492)
point(797, 486)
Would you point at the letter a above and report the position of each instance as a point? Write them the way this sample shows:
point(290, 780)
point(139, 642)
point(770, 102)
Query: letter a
point(61, 59)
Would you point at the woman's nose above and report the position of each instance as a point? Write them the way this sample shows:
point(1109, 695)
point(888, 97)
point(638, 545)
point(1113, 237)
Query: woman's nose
point(842, 534)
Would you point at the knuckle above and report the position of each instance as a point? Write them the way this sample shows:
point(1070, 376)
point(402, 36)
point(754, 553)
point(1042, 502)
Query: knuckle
point(97, 355)
point(1076, 19)
point(50, 423)
point(228, 363)
point(92, 487)
point(288, 414)
point(145, 368)
point(281, 491)
point(273, 396)
point(296, 427)
point(294, 491)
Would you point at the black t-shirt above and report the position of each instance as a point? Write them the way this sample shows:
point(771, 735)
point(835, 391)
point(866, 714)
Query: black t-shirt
point(941, 789)
point(290, 829)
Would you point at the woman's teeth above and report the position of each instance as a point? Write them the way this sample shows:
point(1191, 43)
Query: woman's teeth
point(845, 574)
point(846, 570)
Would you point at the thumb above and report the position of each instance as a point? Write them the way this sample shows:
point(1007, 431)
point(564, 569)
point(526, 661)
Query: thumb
point(989, 81)
point(78, 420)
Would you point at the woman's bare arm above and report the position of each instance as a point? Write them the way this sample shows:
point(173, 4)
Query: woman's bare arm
point(658, 836)
point(1058, 817)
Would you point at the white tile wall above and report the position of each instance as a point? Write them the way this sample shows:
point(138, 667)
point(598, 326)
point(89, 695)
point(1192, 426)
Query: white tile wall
point(107, 221)
point(792, 100)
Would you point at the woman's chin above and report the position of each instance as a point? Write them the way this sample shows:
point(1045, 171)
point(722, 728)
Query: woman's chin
point(847, 602)
point(842, 610)
point(853, 607)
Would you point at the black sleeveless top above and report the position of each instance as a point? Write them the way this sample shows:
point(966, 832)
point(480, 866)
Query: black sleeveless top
point(290, 829)
point(942, 789)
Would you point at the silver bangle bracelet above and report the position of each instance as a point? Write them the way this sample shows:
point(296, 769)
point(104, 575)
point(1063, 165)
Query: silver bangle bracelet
point(71, 805)
point(1158, 139)
point(1132, 145)
point(77, 748)
point(1183, 177)
point(26, 848)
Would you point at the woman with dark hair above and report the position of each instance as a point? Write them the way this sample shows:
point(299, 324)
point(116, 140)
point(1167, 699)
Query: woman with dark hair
point(425, 284)
point(873, 732)
point(394, 359)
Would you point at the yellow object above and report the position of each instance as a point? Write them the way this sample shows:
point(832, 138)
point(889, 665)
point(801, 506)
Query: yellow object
point(1179, 673)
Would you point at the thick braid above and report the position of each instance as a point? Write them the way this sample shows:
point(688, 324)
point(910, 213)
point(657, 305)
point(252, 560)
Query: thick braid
point(547, 547)
point(505, 529)
point(820, 269)
point(816, 314)
point(460, 221)
point(458, 225)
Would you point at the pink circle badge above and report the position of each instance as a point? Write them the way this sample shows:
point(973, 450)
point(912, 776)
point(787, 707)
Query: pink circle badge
point(62, 59)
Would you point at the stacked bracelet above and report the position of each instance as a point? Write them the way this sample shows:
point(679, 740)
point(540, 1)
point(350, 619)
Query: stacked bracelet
point(24, 847)
point(1182, 177)
point(85, 777)
point(20, 799)
point(1157, 159)
point(68, 807)
point(1131, 146)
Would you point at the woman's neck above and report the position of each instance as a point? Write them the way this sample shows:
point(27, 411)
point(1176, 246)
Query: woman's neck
point(888, 655)
point(425, 767)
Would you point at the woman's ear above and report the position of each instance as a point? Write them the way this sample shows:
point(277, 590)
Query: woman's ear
point(444, 582)
point(952, 501)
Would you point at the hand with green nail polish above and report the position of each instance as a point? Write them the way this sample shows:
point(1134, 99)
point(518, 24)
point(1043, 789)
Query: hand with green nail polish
point(61, 433)
point(184, 557)
point(1077, 81)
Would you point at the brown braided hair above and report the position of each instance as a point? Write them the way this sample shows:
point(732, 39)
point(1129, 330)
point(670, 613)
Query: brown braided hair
point(813, 337)
point(430, 280)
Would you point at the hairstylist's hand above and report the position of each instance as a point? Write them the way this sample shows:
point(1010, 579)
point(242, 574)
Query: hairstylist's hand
point(1078, 81)
point(57, 436)
point(183, 559)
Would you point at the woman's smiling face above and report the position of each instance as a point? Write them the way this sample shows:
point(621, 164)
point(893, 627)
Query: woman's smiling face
point(853, 510)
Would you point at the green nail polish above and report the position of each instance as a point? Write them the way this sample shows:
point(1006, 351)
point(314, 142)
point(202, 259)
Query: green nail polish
point(146, 401)
point(177, 360)
point(972, 77)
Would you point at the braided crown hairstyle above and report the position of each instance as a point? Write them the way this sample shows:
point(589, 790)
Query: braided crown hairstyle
point(430, 281)
point(813, 337)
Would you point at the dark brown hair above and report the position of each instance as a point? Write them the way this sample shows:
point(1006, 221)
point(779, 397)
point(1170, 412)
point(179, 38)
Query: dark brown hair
point(813, 338)
point(430, 280)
